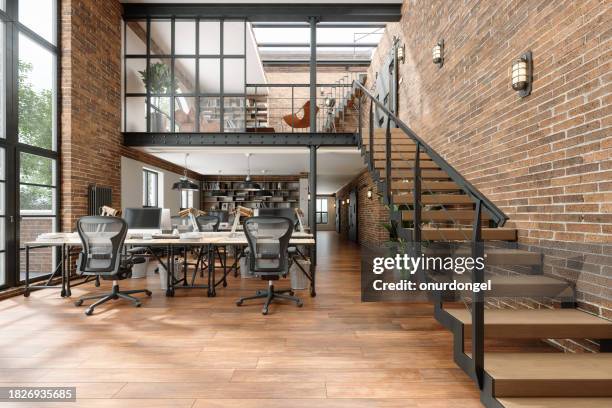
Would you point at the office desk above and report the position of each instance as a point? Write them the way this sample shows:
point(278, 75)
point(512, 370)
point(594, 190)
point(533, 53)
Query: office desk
point(206, 239)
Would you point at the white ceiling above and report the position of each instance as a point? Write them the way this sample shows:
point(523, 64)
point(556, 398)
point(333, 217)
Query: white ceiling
point(335, 166)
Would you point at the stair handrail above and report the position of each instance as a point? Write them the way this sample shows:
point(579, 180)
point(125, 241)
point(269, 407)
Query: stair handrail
point(498, 216)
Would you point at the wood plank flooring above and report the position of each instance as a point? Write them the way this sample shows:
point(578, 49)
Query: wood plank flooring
point(193, 351)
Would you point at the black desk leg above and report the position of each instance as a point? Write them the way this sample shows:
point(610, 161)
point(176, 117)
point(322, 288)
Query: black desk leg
point(211, 270)
point(170, 273)
point(68, 271)
point(26, 292)
point(313, 272)
point(63, 270)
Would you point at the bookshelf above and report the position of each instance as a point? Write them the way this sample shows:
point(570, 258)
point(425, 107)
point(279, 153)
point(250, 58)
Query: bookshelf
point(257, 111)
point(226, 195)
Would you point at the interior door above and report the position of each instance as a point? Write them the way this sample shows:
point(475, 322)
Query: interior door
point(352, 217)
point(338, 215)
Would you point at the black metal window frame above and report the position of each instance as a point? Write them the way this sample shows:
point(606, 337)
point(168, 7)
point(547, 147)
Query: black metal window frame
point(197, 95)
point(146, 174)
point(13, 148)
point(319, 213)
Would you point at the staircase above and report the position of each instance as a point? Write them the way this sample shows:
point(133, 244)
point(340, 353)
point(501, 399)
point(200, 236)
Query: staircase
point(433, 207)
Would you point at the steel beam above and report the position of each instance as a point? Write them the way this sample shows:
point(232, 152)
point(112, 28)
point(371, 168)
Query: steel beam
point(312, 204)
point(321, 25)
point(313, 74)
point(285, 13)
point(319, 45)
point(238, 139)
point(342, 62)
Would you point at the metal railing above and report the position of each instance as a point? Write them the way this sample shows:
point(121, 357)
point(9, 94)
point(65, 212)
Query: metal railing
point(481, 202)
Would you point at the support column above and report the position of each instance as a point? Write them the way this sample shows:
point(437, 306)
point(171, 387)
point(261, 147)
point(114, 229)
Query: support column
point(312, 204)
point(313, 74)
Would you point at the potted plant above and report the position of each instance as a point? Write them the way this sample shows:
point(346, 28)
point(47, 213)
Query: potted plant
point(158, 79)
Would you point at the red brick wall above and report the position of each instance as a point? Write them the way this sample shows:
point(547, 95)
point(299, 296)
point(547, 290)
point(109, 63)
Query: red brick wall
point(546, 159)
point(371, 213)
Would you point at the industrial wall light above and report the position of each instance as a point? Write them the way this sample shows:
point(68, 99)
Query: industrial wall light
point(370, 194)
point(522, 74)
point(348, 201)
point(401, 53)
point(438, 53)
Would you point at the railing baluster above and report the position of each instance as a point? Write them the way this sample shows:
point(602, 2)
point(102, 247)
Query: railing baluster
point(360, 122)
point(417, 194)
point(388, 162)
point(478, 298)
point(371, 135)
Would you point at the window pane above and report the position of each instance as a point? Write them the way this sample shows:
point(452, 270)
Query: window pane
point(318, 204)
point(184, 37)
point(185, 73)
point(324, 205)
point(234, 114)
point(233, 75)
point(233, 38)
point(161, 37)
point(39, 16)
point(2, 89)
point(159, 76)
point(2, 268)
point(2, 163)
point(136, 116)
point(42, 260)
point(184, 114)
point(209, 115)
point(318, 218)
point(160, 114)
point(36, 169)
point(135, 75)
point(210, 38)
point(36, 200)
point(210, 75)
point(324, 218)
point(36, 94)
point(136, 37)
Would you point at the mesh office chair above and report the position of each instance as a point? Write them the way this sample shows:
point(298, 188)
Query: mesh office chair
point(102, 239)
point(206, 223)
point(268, 256)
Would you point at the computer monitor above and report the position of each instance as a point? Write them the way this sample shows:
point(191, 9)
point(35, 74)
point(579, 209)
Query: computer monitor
point(279, 212)
point(143, 218)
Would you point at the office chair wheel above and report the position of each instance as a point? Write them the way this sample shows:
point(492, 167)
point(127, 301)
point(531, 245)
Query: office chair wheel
point(26, 293)
point(224, 284)
point(138, 304)
point(291, 293)
point(264, 311)
point(78, 302)
point(239, 303)
point(300, 304)
point(148, 293)
point(89, 311)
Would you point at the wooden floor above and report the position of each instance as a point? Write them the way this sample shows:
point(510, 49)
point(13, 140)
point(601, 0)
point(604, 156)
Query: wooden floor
point(194, 351)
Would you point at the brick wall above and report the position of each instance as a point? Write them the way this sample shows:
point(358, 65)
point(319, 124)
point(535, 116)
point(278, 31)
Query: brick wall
point(371, 213)
point(546, 159)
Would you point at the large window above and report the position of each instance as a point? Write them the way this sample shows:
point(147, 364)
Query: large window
point(184, 75)
point(322, 215)
point(150, 188)
point(187, 199)
point(28, 134)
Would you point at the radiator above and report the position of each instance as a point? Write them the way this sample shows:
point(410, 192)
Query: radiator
point(98, 197)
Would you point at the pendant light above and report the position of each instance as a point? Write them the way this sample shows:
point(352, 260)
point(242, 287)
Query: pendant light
point(247, 184)
point(184, 184)
point(265, 193)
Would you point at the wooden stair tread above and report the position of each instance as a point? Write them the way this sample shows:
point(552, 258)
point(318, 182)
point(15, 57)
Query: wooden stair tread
point(556, 402)
point(425, 185)
point(550, 374)
point(434, 199)
point(465, 234)
point(498, 256)
point(406, 164)
point(539, 323)
point(444, 215)
point(526, 286)
point(425, 174)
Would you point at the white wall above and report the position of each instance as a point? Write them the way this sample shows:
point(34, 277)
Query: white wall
point(131, 186)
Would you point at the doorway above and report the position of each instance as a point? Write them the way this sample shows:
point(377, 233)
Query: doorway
point(352, 217)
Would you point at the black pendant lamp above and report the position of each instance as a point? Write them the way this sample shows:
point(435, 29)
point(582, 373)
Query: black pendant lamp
point(265, 193)
point(184, 184)
point(247, 184)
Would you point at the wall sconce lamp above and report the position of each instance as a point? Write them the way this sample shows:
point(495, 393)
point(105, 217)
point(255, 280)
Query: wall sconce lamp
point(438, 53)
point(401, 53)
point(522, 74)
point(308, 196)
point(348, 201)
point(370, 194)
